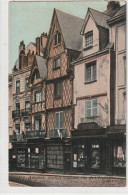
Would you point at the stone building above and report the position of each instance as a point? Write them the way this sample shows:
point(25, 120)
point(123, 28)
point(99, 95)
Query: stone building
point(95, 102)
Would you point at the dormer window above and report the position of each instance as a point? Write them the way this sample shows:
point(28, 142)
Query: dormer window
point(89, 39)
point(57, 38)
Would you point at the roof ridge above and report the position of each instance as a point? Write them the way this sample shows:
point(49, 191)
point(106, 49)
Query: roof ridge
point(68, 14)
point(99, 11)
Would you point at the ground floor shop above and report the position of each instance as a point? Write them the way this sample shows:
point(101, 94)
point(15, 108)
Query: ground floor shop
point(90, 150)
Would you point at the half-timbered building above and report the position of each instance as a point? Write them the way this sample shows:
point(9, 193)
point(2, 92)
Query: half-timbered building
point(63, 45)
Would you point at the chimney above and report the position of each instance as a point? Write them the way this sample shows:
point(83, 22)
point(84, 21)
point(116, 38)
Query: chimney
point(38, 46)
point(21, 46)
point(43, 39)
point(113, 5)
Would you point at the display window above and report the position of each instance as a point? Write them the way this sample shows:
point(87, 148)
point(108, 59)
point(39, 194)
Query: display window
point(119, 156)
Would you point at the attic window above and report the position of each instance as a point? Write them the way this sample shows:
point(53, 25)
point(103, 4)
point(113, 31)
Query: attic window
point(57, 38)
point(89, 39)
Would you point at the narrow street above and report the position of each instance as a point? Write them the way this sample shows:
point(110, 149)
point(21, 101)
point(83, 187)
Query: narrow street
point(60, 180)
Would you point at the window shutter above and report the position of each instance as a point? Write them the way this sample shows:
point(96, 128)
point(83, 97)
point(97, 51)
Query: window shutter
point(88, 108)
point(57, 121)
point(94, 107)
point(61, 120)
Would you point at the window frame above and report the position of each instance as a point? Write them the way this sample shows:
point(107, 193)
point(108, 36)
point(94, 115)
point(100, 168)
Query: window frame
point(26, 87)
point(57, 38)
point(17, 91)
point(27, 100)
point(18, 102)
point(58, 95)
point(18, 129)
point(40, 122)
point(36, 92)
point(91, 65)
point(89, 35)
point(54, 63)
point(59, 122)
point(91, 108)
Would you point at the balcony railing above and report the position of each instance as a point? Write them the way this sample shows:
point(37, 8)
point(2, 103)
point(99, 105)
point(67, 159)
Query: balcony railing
point(35, 134)
point(27, 135)
point(19, 138)
point(15, 114)
point(25, 112)
point(58, 133)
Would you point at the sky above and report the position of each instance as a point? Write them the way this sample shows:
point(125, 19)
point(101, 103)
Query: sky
point(27, 20)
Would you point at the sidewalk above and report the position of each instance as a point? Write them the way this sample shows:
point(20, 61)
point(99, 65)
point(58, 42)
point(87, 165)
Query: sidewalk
point(60, 180)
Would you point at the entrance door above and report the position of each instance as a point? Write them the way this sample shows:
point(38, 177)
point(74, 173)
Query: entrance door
point(67, 162)
point(95, 158)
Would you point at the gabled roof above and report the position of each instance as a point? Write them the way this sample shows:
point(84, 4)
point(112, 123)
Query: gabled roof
point(41, 66)
point(98, 17)
point(70, 26)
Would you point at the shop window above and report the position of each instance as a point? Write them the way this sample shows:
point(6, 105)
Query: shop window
point(91, 108)
point(57, 90)
point(21, 158)
point(27, 104)
point(119, 156)
point(57, 63)
point(91, 74)
point(18, 86)
point(57, 38)
point(38, 96)
point(27, 127)
point(37, 122)
point(59, 120)
point(17, 128)
point(89, 39)
point(95, 157)
point(26, 84)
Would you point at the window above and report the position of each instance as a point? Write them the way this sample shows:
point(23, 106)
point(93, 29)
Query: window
point(27, 104)
point(17, 128)
point(89, 39)
point(26, 84)
point(27, 127)
point(59, 120)
point(91, 108)
point(38, 96)
point(37, 123)
point(57, 38)
point(17, 105)
point(18, 86)
point(119, 156)
point(56, 63)
point(91, 72)
point(57, 90)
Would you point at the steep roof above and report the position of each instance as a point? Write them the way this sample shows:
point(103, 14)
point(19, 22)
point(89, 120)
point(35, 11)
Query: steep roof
point(41, 66)
point(122, 10)
point(100, 18)
point(70, 26)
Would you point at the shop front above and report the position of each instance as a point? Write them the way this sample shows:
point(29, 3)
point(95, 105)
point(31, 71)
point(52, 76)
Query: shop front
point(89, 149)
point(30, 155)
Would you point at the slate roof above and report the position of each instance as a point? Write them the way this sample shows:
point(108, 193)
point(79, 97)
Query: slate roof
point(70, 27)
point(111, 12)
point(100, 18)
point(41, 66)
point(122, 10)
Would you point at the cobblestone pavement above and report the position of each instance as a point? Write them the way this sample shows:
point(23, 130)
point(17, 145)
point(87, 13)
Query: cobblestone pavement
point(14, 184)
point(60, 180)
